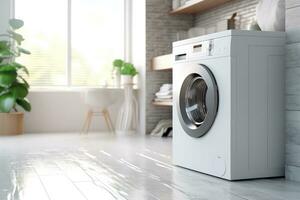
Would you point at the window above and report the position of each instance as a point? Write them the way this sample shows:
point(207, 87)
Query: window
point(73, 42)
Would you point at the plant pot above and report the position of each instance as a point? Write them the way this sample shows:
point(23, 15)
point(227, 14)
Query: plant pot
point(127, 79)
point(117, 77)
point(11, 123)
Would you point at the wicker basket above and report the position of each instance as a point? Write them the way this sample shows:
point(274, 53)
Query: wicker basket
point(11, 123)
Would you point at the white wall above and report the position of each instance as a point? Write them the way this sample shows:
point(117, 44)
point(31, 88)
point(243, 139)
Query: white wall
point(61, 111)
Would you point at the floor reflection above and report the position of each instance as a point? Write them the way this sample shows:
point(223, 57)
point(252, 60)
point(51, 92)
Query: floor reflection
point(94, 167)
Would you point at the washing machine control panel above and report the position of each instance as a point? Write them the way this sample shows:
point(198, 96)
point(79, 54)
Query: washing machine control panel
point(202, 49)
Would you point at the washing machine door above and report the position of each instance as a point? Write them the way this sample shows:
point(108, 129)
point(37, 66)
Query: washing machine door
point(197, 101)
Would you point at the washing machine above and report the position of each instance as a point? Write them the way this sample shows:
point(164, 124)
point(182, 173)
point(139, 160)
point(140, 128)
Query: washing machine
point(228, 111)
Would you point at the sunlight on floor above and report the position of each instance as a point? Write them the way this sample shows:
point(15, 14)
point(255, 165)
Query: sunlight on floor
point(103, 166)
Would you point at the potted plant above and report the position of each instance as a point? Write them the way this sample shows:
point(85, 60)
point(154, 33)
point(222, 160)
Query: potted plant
point(128, 115)
point(13, 87)
point(128, 71)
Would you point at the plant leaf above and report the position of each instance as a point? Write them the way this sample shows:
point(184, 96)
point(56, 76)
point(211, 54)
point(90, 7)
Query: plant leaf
point(7, 78)
point(128, 69)
point(21, 67)
point(6, 53)
point(4, 45)
point(24, 70)
point(25, 104)
point(16, 23)
point(118, 63)
point(12, 67)
point(25, 51)
point(19, 90)
point(7, 102)
point(2, 91)
point(16, 36)
point(7, 68)
point(23, 80)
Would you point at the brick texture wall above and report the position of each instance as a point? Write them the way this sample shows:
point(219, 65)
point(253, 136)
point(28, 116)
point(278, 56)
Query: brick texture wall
point(161, 29)
point(245, 13)
point(293, 90)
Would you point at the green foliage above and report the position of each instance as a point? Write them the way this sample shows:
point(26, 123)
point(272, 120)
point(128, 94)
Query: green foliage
point(125, 68)
point(118, 63)
point(7, 102)
point(13, 87)
point(128, 69)
point(16, 23)
point(19, 90)
point(7, 79)
point(24, 103)
point(16, 36)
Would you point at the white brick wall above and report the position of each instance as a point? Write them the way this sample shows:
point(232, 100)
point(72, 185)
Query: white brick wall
point(245, 9)
point(293, 90)
point(161, 29)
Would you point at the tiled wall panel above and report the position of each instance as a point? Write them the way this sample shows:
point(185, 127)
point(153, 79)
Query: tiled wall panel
point(245, 13)
point(293, 90)
point(161, 29)
point(293, 16)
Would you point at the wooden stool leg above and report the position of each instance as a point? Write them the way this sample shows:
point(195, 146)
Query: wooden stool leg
point(108, 121)
point(85, 122)
point(89, 121)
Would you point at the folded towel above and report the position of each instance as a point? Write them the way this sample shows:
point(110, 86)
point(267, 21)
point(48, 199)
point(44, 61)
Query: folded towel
point(165, 87)
point(160, 93)
point(169, 85)
point(165, 97)
point(165, 90)
point(163, 100)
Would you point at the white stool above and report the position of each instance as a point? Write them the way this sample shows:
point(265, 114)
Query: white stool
point(98, 101)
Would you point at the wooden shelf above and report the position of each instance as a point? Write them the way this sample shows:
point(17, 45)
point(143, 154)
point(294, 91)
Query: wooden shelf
point(158, 103)
point(197, 6)
point(162, 62)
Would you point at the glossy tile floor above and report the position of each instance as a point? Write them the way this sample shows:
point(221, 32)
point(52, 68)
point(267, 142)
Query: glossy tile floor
point(101, 166)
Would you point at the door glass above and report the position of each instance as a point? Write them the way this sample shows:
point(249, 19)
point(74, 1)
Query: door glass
point(195, 90)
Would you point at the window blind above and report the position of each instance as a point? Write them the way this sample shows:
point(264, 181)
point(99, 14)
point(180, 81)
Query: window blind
point(73, 42)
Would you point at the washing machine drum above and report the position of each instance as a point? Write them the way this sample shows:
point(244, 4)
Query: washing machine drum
point(197, 103)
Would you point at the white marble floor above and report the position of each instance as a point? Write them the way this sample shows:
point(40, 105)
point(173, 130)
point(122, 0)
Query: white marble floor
point(101, 166)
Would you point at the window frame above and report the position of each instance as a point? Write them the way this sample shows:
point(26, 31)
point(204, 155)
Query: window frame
point(126, 44)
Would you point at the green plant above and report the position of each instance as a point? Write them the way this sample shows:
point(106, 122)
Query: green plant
point(128, 69)
point(13, 87)
point(118, 63)
point(125, 68)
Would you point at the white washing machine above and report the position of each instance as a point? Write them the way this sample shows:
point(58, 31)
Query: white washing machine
point(228, 113)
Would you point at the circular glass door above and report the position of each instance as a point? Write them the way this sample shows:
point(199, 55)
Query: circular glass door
point(198, 102)
point(194, 99)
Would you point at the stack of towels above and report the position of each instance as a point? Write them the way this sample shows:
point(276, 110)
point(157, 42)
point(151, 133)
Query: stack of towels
point(165, 93)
